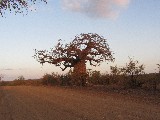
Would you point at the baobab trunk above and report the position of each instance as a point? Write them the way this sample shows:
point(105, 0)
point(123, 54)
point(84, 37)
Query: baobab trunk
point(79, 73)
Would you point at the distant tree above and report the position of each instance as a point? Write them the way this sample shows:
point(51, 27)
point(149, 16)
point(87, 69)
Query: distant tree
point(1, 76)
point(158, 68)
point(21, 77)
point(156, 81)
point(18, 6)
point(85, 47)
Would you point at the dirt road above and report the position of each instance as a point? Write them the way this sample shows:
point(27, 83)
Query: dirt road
point(54, 103)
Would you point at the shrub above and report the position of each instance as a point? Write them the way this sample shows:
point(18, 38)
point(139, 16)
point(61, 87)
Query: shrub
point(17, 82)
point(65, 80)
point(132, 71)
point(52, 79)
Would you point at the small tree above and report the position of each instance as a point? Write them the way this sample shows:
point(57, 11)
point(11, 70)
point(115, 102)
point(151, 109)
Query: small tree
point(18, 6)
point(158, 66)
point(156, 79)
point(115, 73)
point(115, 70)
point(85, 47)
point(1, 76)
point(133, 71)
point(19, 81)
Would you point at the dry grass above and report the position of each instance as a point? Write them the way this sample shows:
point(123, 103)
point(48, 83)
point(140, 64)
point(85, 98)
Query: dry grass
point(57, 103)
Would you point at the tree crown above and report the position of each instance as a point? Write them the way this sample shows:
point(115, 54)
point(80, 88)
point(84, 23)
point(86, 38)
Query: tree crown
point(85, 47)
point(18, 6)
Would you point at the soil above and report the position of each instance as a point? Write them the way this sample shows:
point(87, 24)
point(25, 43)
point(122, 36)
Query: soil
point(60, 103)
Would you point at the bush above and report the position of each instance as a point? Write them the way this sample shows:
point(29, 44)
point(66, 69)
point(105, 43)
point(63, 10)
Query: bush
point(53, 79)
point(17, 82)
point(65, 80)
point(94, 77)
point(130, 73)
point(151, 81)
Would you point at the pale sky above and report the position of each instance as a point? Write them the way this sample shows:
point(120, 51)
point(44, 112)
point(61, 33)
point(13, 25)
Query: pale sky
point(131, 27)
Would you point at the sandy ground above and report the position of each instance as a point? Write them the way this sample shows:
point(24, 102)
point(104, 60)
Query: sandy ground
point(55, 103)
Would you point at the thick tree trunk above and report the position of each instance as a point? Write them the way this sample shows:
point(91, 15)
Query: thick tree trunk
point(80, 67)
point(79, 73)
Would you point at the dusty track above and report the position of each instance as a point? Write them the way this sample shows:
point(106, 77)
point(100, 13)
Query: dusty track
point(53, 103)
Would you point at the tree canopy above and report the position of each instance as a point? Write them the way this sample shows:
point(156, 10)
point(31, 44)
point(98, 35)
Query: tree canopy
point(18, 6)
point(85, 47)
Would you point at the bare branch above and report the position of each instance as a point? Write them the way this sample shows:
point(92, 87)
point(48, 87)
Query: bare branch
point(18, 6)
point(85, 47)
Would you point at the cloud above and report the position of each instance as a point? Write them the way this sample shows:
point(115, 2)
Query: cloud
point(96, 8)
point(7, 69)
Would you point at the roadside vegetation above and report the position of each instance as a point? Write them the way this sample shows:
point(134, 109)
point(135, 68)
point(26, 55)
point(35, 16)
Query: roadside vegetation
point(130, 76)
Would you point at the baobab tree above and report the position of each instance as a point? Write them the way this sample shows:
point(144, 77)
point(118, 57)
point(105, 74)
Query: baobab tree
point(84, 48)
point(18, 6)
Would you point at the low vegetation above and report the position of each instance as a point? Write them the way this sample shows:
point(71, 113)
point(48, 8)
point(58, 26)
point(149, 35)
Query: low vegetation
point(131, 76)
